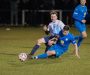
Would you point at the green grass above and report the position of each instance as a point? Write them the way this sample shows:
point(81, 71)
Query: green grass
point(19, 40)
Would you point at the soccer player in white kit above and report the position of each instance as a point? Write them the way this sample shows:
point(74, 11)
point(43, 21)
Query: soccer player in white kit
point(54, 27)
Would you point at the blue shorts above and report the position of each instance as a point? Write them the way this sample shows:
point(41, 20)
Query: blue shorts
point(80, 26)
point(58, 50)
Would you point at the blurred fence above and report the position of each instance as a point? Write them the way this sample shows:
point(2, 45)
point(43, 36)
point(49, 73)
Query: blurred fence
point(33, 17)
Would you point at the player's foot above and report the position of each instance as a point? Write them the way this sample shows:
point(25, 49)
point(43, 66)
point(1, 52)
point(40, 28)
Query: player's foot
point(34, 57)
point(29, 56)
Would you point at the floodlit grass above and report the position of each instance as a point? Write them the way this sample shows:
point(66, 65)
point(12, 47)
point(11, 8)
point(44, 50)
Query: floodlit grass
point(21, 39)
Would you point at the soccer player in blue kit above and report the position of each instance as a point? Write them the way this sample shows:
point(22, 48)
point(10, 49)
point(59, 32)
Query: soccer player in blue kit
point(63, 42)
point(79, 16)
point(53, 28)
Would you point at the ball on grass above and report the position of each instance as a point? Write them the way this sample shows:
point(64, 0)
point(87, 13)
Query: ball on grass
point(22, 56)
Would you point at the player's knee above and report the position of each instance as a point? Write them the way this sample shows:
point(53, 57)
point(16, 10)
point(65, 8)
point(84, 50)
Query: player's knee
point(50, 53)
point(85, 36)
point(40, 41)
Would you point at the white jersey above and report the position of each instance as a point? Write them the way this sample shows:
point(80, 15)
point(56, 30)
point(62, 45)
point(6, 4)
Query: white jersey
point(55, 27)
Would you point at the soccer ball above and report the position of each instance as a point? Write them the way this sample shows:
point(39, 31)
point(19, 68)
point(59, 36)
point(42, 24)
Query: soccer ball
point(22, 56)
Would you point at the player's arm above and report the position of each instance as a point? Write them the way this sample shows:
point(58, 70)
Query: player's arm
point(76, 50)
point(75, 46)
point(76, 15)
point(61, 24)
point(46, 29)
point(87, 16)
point(53, 40)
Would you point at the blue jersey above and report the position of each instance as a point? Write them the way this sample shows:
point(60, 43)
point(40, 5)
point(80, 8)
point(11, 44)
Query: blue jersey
point(80, 13)
point(64, 41)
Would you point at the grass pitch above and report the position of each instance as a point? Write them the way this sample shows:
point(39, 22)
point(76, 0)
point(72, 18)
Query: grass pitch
point(17, 40)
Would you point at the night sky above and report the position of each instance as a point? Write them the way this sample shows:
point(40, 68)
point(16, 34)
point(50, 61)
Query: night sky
point(13, 8)
point(41, 4)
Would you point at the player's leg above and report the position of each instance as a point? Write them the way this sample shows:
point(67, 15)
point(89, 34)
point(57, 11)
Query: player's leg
point(50, 52)
point(78, 26)
point(83, 34)
point(39, 42)
point(82, 29)
point(49, 44)
point(53, 50)
point(47, 47)
point(44, 55)
point(35, 48)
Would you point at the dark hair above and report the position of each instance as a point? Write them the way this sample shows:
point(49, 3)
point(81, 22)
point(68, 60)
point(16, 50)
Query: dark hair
point(66, 27)
point(53, 12)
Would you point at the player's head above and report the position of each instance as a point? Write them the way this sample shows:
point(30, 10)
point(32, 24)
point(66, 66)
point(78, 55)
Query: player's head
point(83, 2)
point(53, 15)
point(66, 30)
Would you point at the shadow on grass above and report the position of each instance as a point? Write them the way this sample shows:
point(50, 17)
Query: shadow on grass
point(48, 61)
point(12, 54)
point(15, 62)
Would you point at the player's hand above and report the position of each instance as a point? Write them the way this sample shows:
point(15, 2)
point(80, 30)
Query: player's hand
point(45, 28)
point(78, 56)
point(50, 42)
point(83, 21)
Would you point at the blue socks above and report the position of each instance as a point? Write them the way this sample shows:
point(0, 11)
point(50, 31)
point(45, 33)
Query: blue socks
point(34, 49)
point(76, 37)
point(80, 39)
point(41, 56)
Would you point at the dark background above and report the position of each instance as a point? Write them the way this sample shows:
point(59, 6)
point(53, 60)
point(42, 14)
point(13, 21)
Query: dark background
point(14, 7)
